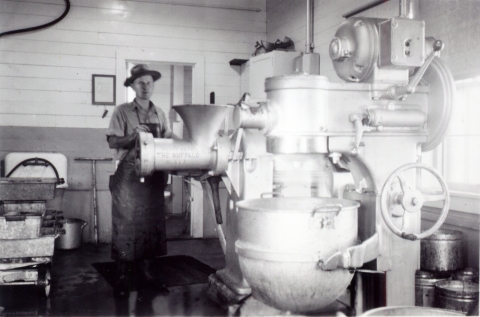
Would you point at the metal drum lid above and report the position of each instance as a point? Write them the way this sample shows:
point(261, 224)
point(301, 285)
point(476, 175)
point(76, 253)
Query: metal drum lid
point(296, 81)
point(424, 278)
point(457, 289)
point(468, 274)
point(446, 235)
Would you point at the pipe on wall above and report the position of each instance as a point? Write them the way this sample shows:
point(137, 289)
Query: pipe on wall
point(60, 18)
point(364, 8)
point(308, 27)
point(406, 9)
point(207, 6)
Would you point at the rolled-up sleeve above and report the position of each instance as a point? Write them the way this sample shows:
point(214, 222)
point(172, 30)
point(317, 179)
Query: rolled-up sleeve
point(117, 124)
point(166, 131)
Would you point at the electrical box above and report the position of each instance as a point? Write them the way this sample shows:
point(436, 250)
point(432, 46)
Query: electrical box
point(402, 43)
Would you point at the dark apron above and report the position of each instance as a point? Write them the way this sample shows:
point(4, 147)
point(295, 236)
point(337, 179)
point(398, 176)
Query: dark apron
point(138, 213)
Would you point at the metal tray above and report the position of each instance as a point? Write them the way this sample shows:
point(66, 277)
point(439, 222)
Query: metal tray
point(27, 188)
point(36, 207)
point(16, 225)
point(21, 248)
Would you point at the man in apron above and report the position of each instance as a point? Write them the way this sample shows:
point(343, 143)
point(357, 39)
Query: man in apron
point(138, 213)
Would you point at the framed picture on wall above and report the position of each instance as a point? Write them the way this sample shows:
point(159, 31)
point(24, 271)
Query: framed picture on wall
point(103, 89)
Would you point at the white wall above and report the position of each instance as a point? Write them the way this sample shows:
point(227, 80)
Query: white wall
point(456, 23)
point(45, 76)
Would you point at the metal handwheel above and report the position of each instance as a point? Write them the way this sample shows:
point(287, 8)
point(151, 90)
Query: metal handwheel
point(412, 200)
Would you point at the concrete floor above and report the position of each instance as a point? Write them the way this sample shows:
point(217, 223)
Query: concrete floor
point(79, 290)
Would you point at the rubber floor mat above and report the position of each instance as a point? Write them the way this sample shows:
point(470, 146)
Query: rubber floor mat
point(172, 271)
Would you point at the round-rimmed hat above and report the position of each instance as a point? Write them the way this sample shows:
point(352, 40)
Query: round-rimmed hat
point(139, 71)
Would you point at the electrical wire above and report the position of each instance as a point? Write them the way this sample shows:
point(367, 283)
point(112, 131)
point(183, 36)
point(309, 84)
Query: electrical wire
point(34, 28)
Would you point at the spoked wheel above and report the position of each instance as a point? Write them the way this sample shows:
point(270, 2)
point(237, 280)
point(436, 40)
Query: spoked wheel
point(44, 282)
point(411, 199)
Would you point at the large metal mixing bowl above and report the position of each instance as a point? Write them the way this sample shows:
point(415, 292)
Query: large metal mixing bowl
point(280, 243)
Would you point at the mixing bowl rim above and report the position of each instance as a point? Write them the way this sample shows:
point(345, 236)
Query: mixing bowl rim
point(246, 204)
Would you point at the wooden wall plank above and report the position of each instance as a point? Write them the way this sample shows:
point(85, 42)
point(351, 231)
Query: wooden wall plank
point(57, 60)
point(21, 107)
point(34, 44)
point(47, 73)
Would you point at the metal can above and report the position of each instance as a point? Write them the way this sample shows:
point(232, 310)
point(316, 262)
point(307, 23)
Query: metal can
point(468, 274)
point(442, 251)
point(460, 296)
point(72, 237)
point(425, 287)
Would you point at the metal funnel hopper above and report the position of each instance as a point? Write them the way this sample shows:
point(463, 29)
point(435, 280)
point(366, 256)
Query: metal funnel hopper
point(202, 121)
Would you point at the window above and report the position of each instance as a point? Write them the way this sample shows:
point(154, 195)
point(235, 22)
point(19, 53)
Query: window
point(461, 147)
point(458, 157)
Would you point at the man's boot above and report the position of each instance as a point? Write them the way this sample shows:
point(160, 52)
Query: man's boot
point(124, 283)
point(147, 279)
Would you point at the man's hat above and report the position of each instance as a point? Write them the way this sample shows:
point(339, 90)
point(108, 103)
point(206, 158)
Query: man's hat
point(139, 71)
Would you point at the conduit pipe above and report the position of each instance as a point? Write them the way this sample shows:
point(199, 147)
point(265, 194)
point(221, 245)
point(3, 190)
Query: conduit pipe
point(308, 44)
point(60, 18)
point(406, 9)
point(364, 8)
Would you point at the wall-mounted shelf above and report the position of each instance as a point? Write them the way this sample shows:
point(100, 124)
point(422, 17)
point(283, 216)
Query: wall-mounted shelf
point(237, 62)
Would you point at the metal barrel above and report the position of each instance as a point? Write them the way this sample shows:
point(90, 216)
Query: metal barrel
point(459, 296)
point(425, 287)
point(442, 251)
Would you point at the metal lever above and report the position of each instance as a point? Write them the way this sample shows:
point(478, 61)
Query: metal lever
point(209, 197)
point(365, 271)
point(353, 257)
point(357, 119)
point(243, 100)
point(214, 181)
point(396, 92)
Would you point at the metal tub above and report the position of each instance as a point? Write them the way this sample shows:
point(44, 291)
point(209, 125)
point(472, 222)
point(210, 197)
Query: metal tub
point(27, 188)
point(22, 248)
point(17, 225)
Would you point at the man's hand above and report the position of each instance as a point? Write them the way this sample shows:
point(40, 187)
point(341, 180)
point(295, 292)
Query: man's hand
point(141, 128)
point(126, 142)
